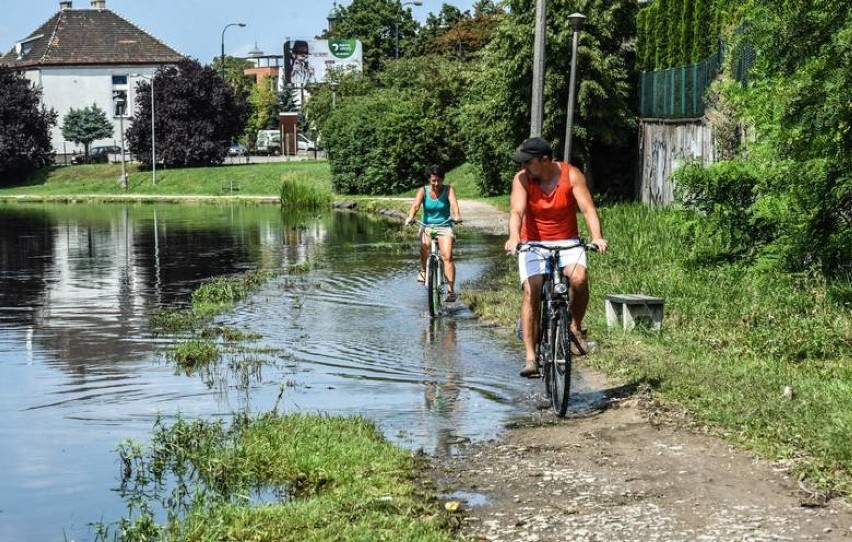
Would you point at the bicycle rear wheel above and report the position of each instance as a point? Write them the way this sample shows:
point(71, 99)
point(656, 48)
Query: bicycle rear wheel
point(560, 383)
point(433, 287)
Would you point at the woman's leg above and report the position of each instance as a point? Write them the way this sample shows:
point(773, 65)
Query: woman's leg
point(445, 243)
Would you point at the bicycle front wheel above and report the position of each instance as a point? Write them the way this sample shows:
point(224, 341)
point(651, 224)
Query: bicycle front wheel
point(560, 381)
point(433, 287)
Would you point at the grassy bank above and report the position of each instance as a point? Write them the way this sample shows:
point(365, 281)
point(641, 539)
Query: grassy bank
point(274, 478)
point(732, 341)
point(262, 180)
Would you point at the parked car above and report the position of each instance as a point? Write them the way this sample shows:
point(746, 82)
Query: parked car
point(268, 142)
point(305, 144)
point(97, 155)
point(237, 150)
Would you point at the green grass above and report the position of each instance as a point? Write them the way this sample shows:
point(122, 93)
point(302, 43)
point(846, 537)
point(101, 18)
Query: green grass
point(264, 179)
point(732, 340)
point(336, 479)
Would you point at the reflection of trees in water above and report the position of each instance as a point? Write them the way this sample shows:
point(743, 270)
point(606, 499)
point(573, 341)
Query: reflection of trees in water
point(26, 251)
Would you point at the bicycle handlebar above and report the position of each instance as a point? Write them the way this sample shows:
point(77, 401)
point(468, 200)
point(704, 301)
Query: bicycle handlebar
point(447, 222)
point(529, 245)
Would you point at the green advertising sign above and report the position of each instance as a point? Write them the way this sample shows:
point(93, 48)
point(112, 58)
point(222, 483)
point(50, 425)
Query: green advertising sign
point(341, 48)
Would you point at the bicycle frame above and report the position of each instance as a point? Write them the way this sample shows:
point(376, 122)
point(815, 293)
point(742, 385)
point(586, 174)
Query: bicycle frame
point(553, 344)
point(435, 279)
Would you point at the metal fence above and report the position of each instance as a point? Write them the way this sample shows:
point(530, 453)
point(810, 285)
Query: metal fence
point(679, 93)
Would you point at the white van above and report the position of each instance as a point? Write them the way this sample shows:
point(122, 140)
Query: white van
point(305, 144)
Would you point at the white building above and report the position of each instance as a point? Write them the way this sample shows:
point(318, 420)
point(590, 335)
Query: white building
point(81, 57)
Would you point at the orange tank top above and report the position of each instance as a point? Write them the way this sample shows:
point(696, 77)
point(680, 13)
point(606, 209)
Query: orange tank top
point(551, 217)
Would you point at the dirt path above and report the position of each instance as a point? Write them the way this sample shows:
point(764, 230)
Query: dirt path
point(625, 473)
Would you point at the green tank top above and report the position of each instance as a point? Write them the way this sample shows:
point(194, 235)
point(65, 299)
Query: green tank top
point(436, 211)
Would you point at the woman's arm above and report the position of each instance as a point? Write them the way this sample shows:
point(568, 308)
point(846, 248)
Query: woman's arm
point(455, 214)
point(418, 200)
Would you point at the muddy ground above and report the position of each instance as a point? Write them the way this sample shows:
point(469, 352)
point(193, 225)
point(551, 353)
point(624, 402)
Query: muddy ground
point(628, 471)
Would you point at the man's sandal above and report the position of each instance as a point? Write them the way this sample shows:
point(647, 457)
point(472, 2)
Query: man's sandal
point(530, 370)
point(421, 277)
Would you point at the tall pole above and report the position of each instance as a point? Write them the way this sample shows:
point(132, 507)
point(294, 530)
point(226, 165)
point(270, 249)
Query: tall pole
point(396, 24)
point(153, 139)
point(577, 20)
point(227, 26)
point(121, 102)
point(539, 46)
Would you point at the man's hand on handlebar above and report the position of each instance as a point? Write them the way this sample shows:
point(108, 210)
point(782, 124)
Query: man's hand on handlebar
point(600, 243)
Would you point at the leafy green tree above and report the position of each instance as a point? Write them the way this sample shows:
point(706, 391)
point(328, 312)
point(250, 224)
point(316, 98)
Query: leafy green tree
point(687, 33)
point(235, 73)
point(799, 161)
point(264, 109)
point(86, 125)
point(375, 23)
point(496, 111)
point(382, 140)
point(672, 20)
point(197, 115)
point(24, 127)
point(703, 40)
point(659, 10)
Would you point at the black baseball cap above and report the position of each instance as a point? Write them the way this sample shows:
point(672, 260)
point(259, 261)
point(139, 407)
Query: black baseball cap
point(532, 147)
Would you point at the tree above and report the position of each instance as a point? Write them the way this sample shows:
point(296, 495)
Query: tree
point(24, 127)
point(86, 125)
point(495, 114)
point(375, 23)
point(264, 110)
point(197, 115)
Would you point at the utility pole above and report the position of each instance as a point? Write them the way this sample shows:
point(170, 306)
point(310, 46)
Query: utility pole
point(539, 46)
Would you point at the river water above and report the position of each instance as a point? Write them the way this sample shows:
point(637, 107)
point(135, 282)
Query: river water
point(80, 372)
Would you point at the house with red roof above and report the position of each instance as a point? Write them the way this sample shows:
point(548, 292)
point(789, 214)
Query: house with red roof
point(85, 56)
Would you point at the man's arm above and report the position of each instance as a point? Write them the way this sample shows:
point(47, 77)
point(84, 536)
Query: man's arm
point(517, 208)
point(587, 207)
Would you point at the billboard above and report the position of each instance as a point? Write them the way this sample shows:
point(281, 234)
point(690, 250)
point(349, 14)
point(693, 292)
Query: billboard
point(307, 62)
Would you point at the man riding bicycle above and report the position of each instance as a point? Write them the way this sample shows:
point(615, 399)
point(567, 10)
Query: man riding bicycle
point(546, 195)
point(439, 206)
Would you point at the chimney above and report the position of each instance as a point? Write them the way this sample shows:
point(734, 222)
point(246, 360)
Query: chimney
point(64, 5)
point(98, 4)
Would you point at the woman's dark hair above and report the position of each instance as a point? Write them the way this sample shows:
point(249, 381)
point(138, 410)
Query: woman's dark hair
point(435, 170)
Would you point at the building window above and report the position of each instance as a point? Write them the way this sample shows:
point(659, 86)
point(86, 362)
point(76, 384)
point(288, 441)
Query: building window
point(119, 96)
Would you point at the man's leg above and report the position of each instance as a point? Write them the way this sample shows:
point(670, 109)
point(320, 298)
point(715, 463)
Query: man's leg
point(529, 318)
point(578, 277)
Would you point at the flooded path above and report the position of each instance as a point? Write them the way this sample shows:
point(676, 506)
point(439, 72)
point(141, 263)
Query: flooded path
point(80, 372)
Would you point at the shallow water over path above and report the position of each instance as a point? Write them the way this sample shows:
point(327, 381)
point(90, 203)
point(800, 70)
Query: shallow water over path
point(79, 371)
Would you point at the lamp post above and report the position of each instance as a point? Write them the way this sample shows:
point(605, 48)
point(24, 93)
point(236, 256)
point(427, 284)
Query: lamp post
point(121, 102)
point(153, 133)
point(577, 20)
point(333, 94)
point(396, 25)
point(227, 26)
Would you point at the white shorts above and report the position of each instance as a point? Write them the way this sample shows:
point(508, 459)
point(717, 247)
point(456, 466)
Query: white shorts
point(534, 261)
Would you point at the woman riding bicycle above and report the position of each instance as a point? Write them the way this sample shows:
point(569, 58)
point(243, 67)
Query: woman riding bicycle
point(545, 197)
point(440, 210)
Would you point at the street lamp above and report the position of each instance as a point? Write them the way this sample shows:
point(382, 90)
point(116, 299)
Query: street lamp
point(334, 94)
point(227, 26)
point(396, 32)
point(577, 20)
point(121, 103)
point(153, 133)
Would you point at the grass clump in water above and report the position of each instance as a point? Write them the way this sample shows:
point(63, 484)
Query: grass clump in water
point(297, 193)
point(337, 479)
point(195, 353)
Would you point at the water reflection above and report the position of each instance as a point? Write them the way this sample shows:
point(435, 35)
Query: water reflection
point(79, 370)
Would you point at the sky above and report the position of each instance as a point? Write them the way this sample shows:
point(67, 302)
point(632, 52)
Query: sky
point(194, 27)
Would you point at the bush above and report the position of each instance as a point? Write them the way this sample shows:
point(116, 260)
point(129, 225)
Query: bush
point(24, 127)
